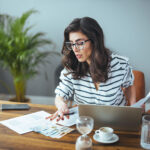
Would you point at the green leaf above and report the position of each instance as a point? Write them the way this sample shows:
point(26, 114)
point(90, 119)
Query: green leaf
point(20, 50)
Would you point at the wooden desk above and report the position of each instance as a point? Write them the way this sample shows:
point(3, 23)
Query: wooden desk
point(34, 141)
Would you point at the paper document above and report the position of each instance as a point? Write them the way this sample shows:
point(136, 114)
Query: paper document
point(52, 130)
point(26, 123)
point(142, 101)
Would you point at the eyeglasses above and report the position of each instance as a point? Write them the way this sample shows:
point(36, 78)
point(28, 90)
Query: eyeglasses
point(79, 45)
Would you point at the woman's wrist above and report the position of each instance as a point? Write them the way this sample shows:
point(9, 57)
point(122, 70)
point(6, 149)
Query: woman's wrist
point(59, 102)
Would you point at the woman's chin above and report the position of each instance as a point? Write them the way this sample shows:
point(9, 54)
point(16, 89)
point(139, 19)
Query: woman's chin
point(81, 60)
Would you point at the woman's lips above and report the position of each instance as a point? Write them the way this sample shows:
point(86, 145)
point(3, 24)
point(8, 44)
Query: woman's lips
point(78, 56)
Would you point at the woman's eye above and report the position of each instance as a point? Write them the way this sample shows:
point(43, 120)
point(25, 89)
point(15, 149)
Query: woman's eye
point(80, 43)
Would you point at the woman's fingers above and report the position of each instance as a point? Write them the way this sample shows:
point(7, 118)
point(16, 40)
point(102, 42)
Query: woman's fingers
point(67, 116)
point(59, 114)
point(53, 116)
point(66, 112)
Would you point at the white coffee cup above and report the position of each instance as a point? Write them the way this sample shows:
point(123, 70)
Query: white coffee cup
point(105, 133)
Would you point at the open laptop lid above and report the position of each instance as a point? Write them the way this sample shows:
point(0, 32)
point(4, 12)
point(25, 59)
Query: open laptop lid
point(118, 117)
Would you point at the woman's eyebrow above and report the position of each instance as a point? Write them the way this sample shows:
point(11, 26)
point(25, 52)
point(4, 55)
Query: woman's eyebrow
point(77, 40)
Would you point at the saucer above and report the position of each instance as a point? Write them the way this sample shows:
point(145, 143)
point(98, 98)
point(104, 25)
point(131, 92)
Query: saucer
point(114, 139)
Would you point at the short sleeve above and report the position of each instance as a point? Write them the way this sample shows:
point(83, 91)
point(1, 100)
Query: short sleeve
point(65, 87)
point(128, 77)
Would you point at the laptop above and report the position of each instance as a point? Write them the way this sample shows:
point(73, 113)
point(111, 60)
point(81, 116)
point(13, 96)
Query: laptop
point(124, 118)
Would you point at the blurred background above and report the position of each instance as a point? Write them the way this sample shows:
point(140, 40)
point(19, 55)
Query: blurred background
point(126, 26)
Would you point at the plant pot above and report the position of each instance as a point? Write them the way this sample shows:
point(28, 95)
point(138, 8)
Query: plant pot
point(20, 88)
point(25, 100)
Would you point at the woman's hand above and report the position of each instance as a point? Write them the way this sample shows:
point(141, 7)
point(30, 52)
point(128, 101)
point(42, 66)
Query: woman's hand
point(62, 110)
point(143, 108)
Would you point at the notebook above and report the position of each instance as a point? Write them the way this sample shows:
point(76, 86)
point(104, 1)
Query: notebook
point(118, 117)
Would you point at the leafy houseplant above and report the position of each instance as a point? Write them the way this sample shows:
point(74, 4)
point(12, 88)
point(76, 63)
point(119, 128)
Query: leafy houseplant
point(20, 51)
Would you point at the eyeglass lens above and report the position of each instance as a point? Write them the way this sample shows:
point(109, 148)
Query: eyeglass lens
point(79, 45)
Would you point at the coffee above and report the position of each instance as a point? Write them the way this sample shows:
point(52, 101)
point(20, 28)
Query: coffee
point(105, 133)
point(104, 130)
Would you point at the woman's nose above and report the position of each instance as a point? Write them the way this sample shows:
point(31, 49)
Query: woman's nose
point(75, 49)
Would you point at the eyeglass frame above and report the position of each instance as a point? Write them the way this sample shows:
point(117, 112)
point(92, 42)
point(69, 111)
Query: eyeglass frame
point(76, 45)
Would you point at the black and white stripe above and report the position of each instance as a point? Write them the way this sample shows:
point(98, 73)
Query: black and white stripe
point(109, 93)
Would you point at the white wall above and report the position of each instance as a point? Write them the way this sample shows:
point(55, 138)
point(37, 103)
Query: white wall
point(126, 26)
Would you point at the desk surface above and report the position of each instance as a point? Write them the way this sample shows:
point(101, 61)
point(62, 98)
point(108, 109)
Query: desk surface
point(31, 141)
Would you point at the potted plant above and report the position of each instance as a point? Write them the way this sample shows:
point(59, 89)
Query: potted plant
point(21, 52)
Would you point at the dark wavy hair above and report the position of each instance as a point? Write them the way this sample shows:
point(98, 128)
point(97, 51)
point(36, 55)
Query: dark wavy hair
point(100, 56)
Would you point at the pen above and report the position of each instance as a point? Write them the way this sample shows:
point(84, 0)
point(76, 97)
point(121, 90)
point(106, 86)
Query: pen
point(71, 113)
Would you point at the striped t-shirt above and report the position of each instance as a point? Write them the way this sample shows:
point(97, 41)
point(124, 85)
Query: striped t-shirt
point(109, 93)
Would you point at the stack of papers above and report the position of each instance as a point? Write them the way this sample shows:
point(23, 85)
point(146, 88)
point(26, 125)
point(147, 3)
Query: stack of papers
point(37, 122)
point(52, 130)
point(142, 101)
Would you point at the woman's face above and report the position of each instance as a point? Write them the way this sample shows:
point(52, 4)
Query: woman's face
point(83, 54)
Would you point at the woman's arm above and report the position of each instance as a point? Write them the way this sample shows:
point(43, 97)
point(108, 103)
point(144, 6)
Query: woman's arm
point(61, 104)
point(130, 94)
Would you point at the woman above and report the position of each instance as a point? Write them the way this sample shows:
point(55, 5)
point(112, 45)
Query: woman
point(92, 73)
